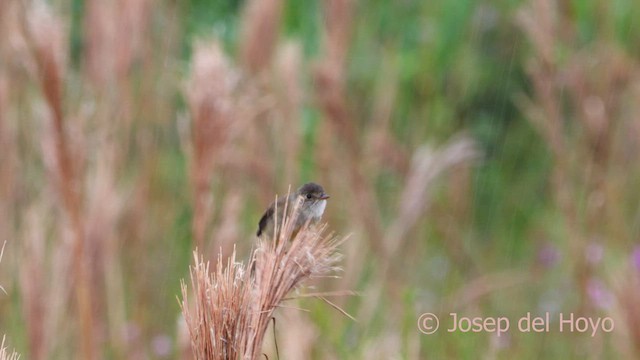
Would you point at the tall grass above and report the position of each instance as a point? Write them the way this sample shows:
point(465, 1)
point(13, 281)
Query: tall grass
point(482, 155)
point(235, 304)
point(5, 354)
point(579, 106)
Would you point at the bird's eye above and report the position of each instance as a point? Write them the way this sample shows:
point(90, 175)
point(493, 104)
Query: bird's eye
point(309, 196)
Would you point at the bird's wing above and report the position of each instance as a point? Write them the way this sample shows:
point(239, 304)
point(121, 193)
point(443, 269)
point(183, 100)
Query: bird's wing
point(264, 220)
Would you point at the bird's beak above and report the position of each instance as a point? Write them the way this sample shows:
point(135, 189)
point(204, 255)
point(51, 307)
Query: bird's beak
point(324, 197)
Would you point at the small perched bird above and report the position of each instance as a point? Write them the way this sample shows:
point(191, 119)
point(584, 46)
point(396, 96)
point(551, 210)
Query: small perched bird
point(314, 201)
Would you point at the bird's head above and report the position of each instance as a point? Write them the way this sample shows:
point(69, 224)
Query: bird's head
point(314, 200)
point(312, 192)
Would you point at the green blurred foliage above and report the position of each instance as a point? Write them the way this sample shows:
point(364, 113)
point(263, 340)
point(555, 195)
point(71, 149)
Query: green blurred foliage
point(458, 66)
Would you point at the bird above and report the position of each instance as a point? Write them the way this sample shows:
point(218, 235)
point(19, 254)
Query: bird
point(314, 201)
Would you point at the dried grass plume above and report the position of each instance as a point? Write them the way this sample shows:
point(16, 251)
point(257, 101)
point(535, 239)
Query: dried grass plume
point(5, 354)
point(232, 307)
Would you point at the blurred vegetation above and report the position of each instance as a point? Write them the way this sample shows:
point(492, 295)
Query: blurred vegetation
point(460, 65)
point(456, 67)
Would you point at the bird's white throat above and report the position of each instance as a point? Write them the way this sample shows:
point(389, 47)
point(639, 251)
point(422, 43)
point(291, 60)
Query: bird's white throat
point(317, 209)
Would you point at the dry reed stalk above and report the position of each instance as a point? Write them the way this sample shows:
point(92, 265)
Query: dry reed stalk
point(104, 208)
point(598, 98)
point(5, 354)
point(33, 286)
point(331, 92)
point(627, 292)
point(115, 34)
point(44, 283)
point(45, 36)
point(234, 306)
point(259, 33)
point(457, 210)
point(209, 94)
point(577, 106)
point(426, 166)
point(8, 157)
point(288, 69)
point(100, 41)
point(539, 20)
